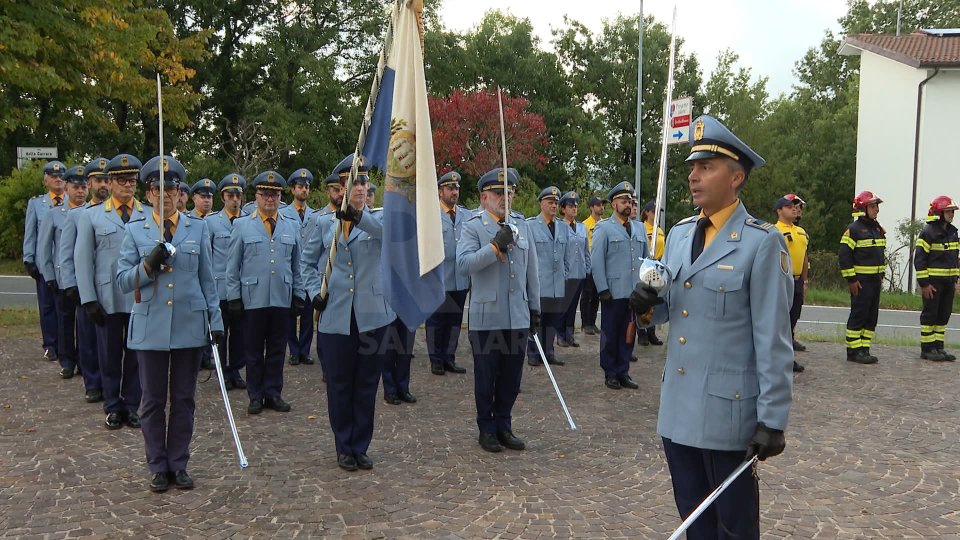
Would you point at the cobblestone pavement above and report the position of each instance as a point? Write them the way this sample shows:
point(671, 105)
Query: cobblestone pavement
point(872, 453)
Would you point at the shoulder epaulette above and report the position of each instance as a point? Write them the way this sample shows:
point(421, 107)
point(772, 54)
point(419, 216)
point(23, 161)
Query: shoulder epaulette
point(691, 219)
point(601, 220)
point(476, 215)
point(191, 216)
point(94, 205)
point(759, 224)
point(137, 220)
point(514, 213)
point(534, 218)
point(376, 210)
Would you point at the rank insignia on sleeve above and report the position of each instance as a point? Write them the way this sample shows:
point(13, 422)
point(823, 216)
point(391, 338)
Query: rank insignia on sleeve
point(784, 263)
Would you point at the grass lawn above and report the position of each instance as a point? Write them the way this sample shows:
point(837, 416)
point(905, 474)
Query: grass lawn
point(19, 322)
point(10, 267)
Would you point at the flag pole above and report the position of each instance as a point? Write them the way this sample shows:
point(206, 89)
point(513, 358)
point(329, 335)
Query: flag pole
point(163, 177)
point(503, 148)
point(639, 105)
point(662, 177)
point(361, 140)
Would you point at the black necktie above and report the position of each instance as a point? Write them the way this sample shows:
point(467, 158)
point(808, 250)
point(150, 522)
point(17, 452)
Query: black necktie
point(453, 216)
point(300, 211)
point(168, 230)
point(270, 224)
point(124, 213)
point(573, 226)
point(232, 218)
point(699, 237)
point(57, 201)
point(553, 228)
point(626, 225)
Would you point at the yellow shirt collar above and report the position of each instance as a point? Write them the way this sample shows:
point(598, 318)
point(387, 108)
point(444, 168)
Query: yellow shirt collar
point(265, 217)
point(297, 206)
point(447, 209)
point(232, 214)
point(720, 218)
point(175, 218)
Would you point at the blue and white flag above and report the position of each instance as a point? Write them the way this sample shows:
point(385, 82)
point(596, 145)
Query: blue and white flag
point(400, 143)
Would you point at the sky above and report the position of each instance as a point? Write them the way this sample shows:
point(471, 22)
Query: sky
point(770, 36)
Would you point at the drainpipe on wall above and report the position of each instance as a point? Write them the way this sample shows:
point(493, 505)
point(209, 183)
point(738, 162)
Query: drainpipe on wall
point(916, 169)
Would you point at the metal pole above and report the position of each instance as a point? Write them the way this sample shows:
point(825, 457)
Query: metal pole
point(712, 497)
point(662, 178)
point(556, 387)
point(226, 404)
point(639, 105)
point(503, 147)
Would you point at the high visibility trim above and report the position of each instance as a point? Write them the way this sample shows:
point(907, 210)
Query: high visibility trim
point(869, 270)
point(847, 272)
point(871, 242)
point(922, 244)
point(941, 246)
point(846, 240)
point(942, 272)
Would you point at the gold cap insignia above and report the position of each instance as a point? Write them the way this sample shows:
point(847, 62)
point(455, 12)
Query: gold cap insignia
point(166, 165)
point(455, 177)
point(56, 166)
point(303, 173)
point(270, 177)
point(235, 179)
point(698, 129)
point(124, 161)
point(500, 176)
point(102, 163)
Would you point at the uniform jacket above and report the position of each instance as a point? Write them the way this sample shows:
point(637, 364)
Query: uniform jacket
point(176, 306)
point(100, 232)
point(68, 241)
point(356, 284)
point(263, 270)
point(501, 293)
point(730, 358)
point(553, 261)
point(290, 211)
point(37, 208)
point(48, 243)
point(578, 256)
point(862, 249)
point(193, 213)
point(220, 229)
point(615, 258)
point(936, 253)
point(453, 278)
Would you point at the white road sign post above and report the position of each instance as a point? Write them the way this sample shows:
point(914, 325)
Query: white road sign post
point(681, 110)
point(27, 153)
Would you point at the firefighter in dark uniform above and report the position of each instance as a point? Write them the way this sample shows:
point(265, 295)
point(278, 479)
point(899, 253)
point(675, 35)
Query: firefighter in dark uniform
point(935, 260)
point(862, 263)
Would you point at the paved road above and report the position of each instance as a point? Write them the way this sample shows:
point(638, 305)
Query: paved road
point(893, 324)
point(17, 291)
point(872, 453)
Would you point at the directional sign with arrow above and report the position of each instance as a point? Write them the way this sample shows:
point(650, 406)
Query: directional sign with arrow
point(681, 110)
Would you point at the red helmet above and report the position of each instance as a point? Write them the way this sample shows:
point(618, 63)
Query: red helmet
point(865, 198)
point(939, 204)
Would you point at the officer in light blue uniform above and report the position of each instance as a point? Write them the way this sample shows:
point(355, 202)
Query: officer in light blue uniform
point(578, 267)
point(504, 307)
point(727, 383)
point(98, 187)
point(354, 318)
point(552, 241)
point(371, 194)
point(100, 230)
point(48, 244)
point(263, 286)
point(619, 247)
point(300, 333)
point(175, 312)
point(37, 209)
point(232, 356)
point(202, 195)
point(443, 327)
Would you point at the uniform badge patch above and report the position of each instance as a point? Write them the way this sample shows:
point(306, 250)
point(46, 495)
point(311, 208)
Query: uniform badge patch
point(784, 263)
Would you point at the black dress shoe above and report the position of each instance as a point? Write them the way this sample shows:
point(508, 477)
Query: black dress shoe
point(407, 397)
point(643, 339)
point(489, 442)
point(633, 358)
point(346, 462)
point(239, 383)
point(364, 462)
point(66, 373)
point(392, 399)
point(591, 330)
point(572, 342)
point(554, 361)
point(533, 361)
point(306, 360)
point(612, 383)
point(654, 340)
point(562, 343)
point(93, 396)
point(437, 369)
point(182, 480)
point(294, 360)
point(511, 441)
point(159, 482)
point(114, 420)
point(454, 368)
point(797, 367)
point(276, 403)
point(255, 406)
point(49, 354)
point(228, 384)
point(627, 382)
point(799, 347)
point(133, 420)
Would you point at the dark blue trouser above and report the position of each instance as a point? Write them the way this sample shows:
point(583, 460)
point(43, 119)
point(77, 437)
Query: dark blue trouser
point(46, 303)
point(66, 330)
point(232, 356)
point(614, 350)
point(87, 353)
point(398, 352)
point(300, 337)
point(167, 441)
point(497, 369)
point(589, 302)
point(571, 300)
point(551, 317)
point(118, 366)
point(265, 331)
point(352, 364)
point(443, 329)
point(695, 473)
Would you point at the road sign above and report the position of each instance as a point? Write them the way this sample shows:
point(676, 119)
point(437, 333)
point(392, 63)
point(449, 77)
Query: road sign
point(26, 153)
point(681, 110)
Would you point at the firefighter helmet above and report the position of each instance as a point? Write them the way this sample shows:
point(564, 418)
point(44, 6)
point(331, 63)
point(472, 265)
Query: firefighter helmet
point(865, 198)
point(939, 204)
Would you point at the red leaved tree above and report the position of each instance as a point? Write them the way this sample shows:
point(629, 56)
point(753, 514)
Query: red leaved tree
point(466, 133)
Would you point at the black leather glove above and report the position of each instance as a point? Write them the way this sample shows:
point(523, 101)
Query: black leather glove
point(52, 285)
point(534, 321)
point(503, 238)
point(73, 294)
point(216, 336)
point(156, 258)
point(319, 303)
point(350, 214)
point(605, 296)
point(95, 313)
point(766, 442)
point(236, 309)
point(297, 304)
point(643, 298)
point(32, 270)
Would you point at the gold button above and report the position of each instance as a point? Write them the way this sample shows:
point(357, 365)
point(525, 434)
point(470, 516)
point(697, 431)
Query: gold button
point(682, 340)
point(685, 313)
point(346, 249)
point(511, 275)
point(737, 395)
point(351, 290)
point(169, 285)
point(273, 271)
point(687, 285)
point(271, 261)
point(721, 288)
point(349, 263)
point(350, 276)
point(511, 290)
point(680, 371)
point(273, 251)
point(169, 302)
point(272, 240)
